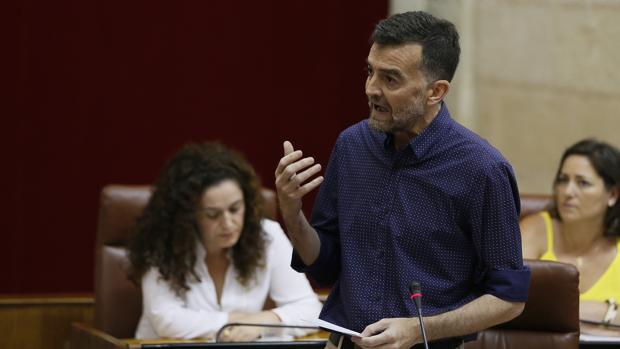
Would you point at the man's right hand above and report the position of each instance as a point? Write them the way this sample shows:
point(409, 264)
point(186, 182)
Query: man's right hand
point(291, 175)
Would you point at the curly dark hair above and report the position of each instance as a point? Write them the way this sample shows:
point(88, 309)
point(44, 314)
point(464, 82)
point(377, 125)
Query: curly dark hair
point(605, 159)
point(438, 37)
point(167, 231)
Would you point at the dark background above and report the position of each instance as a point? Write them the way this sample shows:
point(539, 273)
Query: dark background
point(104, 91)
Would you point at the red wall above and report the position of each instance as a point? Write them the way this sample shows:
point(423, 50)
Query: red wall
point(104, 91)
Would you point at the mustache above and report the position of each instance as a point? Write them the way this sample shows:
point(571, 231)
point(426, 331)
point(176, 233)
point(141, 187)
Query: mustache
point(378, 102)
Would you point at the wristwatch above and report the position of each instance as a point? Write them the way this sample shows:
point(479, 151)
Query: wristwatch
point(612, 311)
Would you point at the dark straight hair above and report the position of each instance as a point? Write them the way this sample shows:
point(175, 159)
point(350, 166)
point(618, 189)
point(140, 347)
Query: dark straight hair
point(605, 160)
point(438, 37)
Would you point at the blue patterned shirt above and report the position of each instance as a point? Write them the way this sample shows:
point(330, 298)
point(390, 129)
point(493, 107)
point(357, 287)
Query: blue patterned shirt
point(442, 211)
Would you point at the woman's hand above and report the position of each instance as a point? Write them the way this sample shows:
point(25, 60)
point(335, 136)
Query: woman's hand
point(247, 333)
point(595, 312)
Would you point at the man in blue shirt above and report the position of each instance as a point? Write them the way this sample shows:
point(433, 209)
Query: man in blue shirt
point(409, 195)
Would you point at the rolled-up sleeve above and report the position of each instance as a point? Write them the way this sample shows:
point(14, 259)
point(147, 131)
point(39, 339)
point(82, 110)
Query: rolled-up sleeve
point(325, 270)
point(509, 285)
point(496, 235)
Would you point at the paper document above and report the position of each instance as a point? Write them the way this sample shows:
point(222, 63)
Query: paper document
point(331, 327)
point(589, 338)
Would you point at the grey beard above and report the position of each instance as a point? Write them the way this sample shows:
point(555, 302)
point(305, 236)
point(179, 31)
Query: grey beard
point(402, 121)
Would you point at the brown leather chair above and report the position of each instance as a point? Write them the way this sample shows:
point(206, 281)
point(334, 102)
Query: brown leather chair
point(118, 303)
point(550, 318)
point(532, 203)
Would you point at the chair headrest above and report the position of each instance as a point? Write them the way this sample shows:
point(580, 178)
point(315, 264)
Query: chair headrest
point(532, 203)
point(120, 207)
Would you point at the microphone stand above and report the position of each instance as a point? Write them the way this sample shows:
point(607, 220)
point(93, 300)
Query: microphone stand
point(422, 328)
point(416, 294)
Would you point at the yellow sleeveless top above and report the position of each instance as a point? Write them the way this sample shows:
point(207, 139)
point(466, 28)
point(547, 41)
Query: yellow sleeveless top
point(609, 283)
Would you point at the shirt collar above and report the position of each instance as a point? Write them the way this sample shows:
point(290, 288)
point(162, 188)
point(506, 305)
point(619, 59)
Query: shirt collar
point(201, 252)
point(422, 144)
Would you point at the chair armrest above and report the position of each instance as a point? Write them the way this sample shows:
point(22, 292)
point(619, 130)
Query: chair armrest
point(86, 337)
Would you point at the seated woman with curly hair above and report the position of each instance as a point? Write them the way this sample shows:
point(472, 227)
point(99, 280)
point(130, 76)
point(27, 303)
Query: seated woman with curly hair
point(204, 257)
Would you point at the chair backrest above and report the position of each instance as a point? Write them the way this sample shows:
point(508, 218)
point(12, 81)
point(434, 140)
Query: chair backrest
point(532, 203)
point(550, 318)
point(118, 302)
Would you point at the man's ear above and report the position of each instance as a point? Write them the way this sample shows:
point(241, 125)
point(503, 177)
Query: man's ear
point(437, 91)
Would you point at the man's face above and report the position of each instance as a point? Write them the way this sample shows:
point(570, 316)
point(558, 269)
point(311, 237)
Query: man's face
point(396, 88)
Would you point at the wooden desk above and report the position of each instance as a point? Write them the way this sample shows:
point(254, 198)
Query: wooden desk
point(234, 345)
point(313, 341)
point(590, 342)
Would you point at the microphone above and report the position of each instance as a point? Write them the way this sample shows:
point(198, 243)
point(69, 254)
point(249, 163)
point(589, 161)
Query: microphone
point(416, 294)
point(232, 324)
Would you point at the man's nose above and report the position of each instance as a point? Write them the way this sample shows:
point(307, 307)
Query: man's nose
point(372, 88)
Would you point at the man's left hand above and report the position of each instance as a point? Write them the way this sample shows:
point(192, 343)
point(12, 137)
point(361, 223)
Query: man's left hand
point(394, 333)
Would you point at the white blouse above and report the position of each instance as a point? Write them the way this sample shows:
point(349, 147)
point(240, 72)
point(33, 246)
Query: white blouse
point(198, 315)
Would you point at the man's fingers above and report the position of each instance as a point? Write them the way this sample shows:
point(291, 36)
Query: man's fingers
point(375, 328)
point(287, 160)
point(375, 341)
point(292, 173)
point(292, 169)
point(301, 177)
point(288, 147)
point(291, 181)
point(310, 186)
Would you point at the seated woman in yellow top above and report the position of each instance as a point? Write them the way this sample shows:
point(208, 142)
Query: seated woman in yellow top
point(583, 229)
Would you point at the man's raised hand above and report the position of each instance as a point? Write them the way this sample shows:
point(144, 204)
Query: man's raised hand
point(293, 179)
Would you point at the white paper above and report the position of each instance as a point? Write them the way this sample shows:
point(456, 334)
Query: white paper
point(590, 338)
point(331, 327)
point(280, 338)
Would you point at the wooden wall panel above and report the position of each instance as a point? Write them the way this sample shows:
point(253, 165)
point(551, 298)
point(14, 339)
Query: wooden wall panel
point(41, 322)
point(104, 91)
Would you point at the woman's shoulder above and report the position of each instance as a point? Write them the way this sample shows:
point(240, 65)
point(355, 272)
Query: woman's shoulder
point(275, 234)
point(151, 275)
point(270, 226)
point(534, 223)
point(534, 235)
